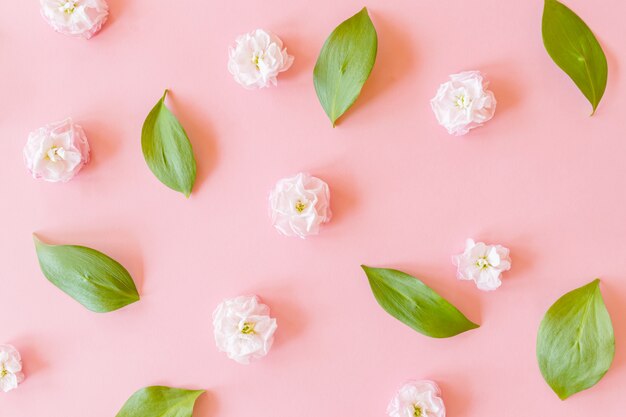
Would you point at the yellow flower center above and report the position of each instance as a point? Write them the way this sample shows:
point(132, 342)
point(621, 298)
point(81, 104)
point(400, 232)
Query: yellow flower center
point(300, 206)
point(69, 6)
point(3, 372)
point(483, 263)
point(462, 101)
point(248, 328)
point(417, 411)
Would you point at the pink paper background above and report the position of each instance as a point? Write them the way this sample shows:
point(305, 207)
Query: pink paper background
point(542, 178)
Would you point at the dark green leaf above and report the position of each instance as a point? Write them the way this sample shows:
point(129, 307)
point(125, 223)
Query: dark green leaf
point(415, 304)
point(575, 49)
point(167, 150)
point(345, 63)
point(90, 277)
point(575, 346)
point(160, 402)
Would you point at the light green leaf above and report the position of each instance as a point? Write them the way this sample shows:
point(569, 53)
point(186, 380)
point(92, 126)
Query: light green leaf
point(90, 277)
point(415, 304)
point(576, 345)
point(575, 49)
point(345, 63)
point(160, 402)
point(167, 150)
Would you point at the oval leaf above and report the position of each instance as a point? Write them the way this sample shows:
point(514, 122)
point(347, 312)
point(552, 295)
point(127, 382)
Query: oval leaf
point(167, 150)
point(90, 277)
point(575, 346)
point(160, 401)
point(345, 63)
point(573, 47)
point(413, 303)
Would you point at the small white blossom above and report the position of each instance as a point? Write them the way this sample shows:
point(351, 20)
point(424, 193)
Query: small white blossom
point(82, 18)
point(483, 264)
point(257, 58)
point(243, 328)
point(463, 103)
point(10, 368)
point(417, 399)
point(299, 205)
point(57, 152)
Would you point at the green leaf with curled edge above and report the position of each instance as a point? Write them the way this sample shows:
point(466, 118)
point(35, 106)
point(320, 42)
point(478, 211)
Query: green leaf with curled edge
point(345, 63)
point(167, 150)
point(576, 344)
point(158, 401)
point(95, 280)
point(415, 304)
point(574, 48)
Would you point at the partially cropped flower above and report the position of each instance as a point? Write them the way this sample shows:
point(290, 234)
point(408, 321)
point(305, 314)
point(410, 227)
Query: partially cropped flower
point(10, 368)
point(243, 328)
point(463, 103)
point(483, 264)
point(417, 399)
point(82, 18)
point(299, 205)
point(257, 59)
point(56, 152)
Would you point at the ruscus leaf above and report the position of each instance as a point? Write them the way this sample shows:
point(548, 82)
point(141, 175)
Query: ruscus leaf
point(576, 344)
point(345, 63)
point(415, 304)
point(574, 48)
point(95, 280)
point(160, 401)
point(167, 150)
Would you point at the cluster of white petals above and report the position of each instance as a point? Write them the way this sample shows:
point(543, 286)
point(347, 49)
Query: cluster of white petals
point(483, 264)
point(82, 18)
point(417, 399)
point(257, 58)
point(10, 368)
point(57, 152)
point(463, 103)
point(243, 328)
point(299, 205)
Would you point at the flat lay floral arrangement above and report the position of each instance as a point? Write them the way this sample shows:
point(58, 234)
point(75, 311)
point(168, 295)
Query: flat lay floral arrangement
point(393, 332)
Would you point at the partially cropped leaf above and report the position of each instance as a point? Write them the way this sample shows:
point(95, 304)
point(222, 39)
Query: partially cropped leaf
point(576, 345)
point(575, 49)
point(90, 277)
point(167, 150)
point(345, 63)
point(160, 402)
point(415, 304)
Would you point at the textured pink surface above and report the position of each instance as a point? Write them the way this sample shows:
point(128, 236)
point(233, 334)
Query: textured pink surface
point(542, 178)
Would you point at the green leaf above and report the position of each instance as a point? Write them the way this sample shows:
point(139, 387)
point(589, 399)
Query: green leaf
point(575, 49)
point(167, 150)
point(90, 277)
point(160, 402)
point(576, 345)
point(415, 304)
point(345, 63)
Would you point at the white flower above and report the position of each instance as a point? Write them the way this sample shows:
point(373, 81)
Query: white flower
point(10, 368)
point(417, 399)
point(482, 263)
point(299, 205)
point(463, 103)
point(257, 59)
point(75, 17)
point(243, 328)
point(56, 152)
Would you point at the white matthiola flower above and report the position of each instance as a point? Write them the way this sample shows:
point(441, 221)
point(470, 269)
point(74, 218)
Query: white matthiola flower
point(243, 328)
point(257, 59)
point(463, 103)
point(10, 368)
point(57, 152)
point(417, 399)
point(299, 205)
point(75, 17)
point(483, 264)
